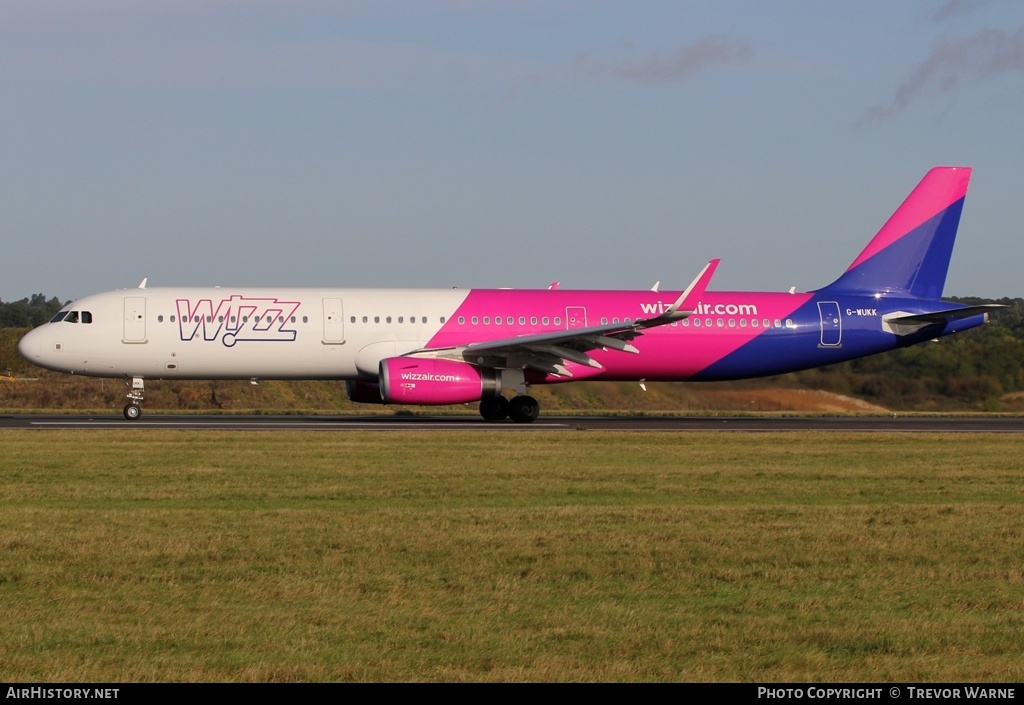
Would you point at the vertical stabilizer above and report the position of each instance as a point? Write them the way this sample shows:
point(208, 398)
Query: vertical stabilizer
point(910, 254)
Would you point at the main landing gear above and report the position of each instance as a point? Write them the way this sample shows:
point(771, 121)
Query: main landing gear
point(521, 409)
point(133, 409)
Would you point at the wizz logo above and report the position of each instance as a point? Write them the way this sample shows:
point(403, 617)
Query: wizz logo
point(239, 318)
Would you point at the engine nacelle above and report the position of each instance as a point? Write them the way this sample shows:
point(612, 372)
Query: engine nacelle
point(429, 381)
point(363, 392)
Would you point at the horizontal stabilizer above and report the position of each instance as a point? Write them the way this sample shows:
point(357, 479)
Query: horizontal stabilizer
point(901, 323)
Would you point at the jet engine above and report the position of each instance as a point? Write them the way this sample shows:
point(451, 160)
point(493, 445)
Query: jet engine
point(430, 381)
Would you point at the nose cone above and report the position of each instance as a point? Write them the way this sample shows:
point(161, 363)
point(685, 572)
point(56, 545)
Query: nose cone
point(32, 347)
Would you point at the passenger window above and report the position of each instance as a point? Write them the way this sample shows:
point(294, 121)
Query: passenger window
point(352, 319)
point(487, 320)
point(475, 320)
point(401, 319)
point(160, 318)
point(462, 320)
point(423, 320)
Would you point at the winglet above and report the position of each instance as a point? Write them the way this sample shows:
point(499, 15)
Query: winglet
point(684, 305)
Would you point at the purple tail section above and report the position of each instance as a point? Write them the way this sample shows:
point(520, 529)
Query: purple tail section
point(910, 254)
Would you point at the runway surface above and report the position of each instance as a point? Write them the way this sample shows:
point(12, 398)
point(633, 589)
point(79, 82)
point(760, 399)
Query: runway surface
point(409, 422)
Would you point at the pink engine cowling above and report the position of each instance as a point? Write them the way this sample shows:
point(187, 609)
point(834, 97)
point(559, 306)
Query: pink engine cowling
point(429, 381)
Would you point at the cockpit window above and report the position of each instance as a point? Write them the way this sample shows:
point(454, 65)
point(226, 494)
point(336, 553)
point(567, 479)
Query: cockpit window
point(59, 317)
point(86, 316)
point(72, 317)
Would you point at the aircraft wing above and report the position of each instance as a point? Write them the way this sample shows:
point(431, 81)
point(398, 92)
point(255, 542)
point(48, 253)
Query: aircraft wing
point(549, 352)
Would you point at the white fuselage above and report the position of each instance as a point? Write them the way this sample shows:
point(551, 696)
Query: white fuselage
point(220, 333)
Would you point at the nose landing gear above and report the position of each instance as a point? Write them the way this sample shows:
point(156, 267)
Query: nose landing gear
point(133, 409)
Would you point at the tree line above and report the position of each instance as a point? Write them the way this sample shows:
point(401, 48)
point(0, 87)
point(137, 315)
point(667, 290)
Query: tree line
point(30, 312)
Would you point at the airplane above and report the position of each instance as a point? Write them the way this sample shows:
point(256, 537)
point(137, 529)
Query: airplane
point(450, 346)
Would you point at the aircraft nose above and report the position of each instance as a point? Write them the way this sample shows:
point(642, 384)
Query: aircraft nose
point(30, 347)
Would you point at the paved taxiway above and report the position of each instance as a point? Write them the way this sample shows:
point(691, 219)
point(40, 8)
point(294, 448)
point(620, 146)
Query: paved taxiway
point(409, 422)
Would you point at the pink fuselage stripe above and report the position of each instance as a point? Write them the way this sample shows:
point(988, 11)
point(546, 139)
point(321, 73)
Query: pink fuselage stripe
point(723, 323)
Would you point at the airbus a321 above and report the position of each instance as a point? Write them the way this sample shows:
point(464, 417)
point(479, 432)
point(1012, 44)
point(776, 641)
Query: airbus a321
point(448, 346)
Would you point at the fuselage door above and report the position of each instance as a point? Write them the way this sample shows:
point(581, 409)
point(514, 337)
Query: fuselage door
point(135, 319)
point(575, 317)
point(831, 324)
point(334, 323)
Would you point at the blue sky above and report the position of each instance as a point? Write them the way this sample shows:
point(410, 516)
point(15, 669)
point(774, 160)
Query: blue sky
point(438, 144)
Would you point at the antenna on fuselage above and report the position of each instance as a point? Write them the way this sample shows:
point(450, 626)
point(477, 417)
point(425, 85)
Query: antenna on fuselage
point(142, 284)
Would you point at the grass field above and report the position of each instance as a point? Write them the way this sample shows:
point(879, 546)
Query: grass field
point(562, 556)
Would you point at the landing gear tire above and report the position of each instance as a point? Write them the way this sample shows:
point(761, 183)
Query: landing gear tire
point(523, 409)
point(494, 408)
point(132, 411)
